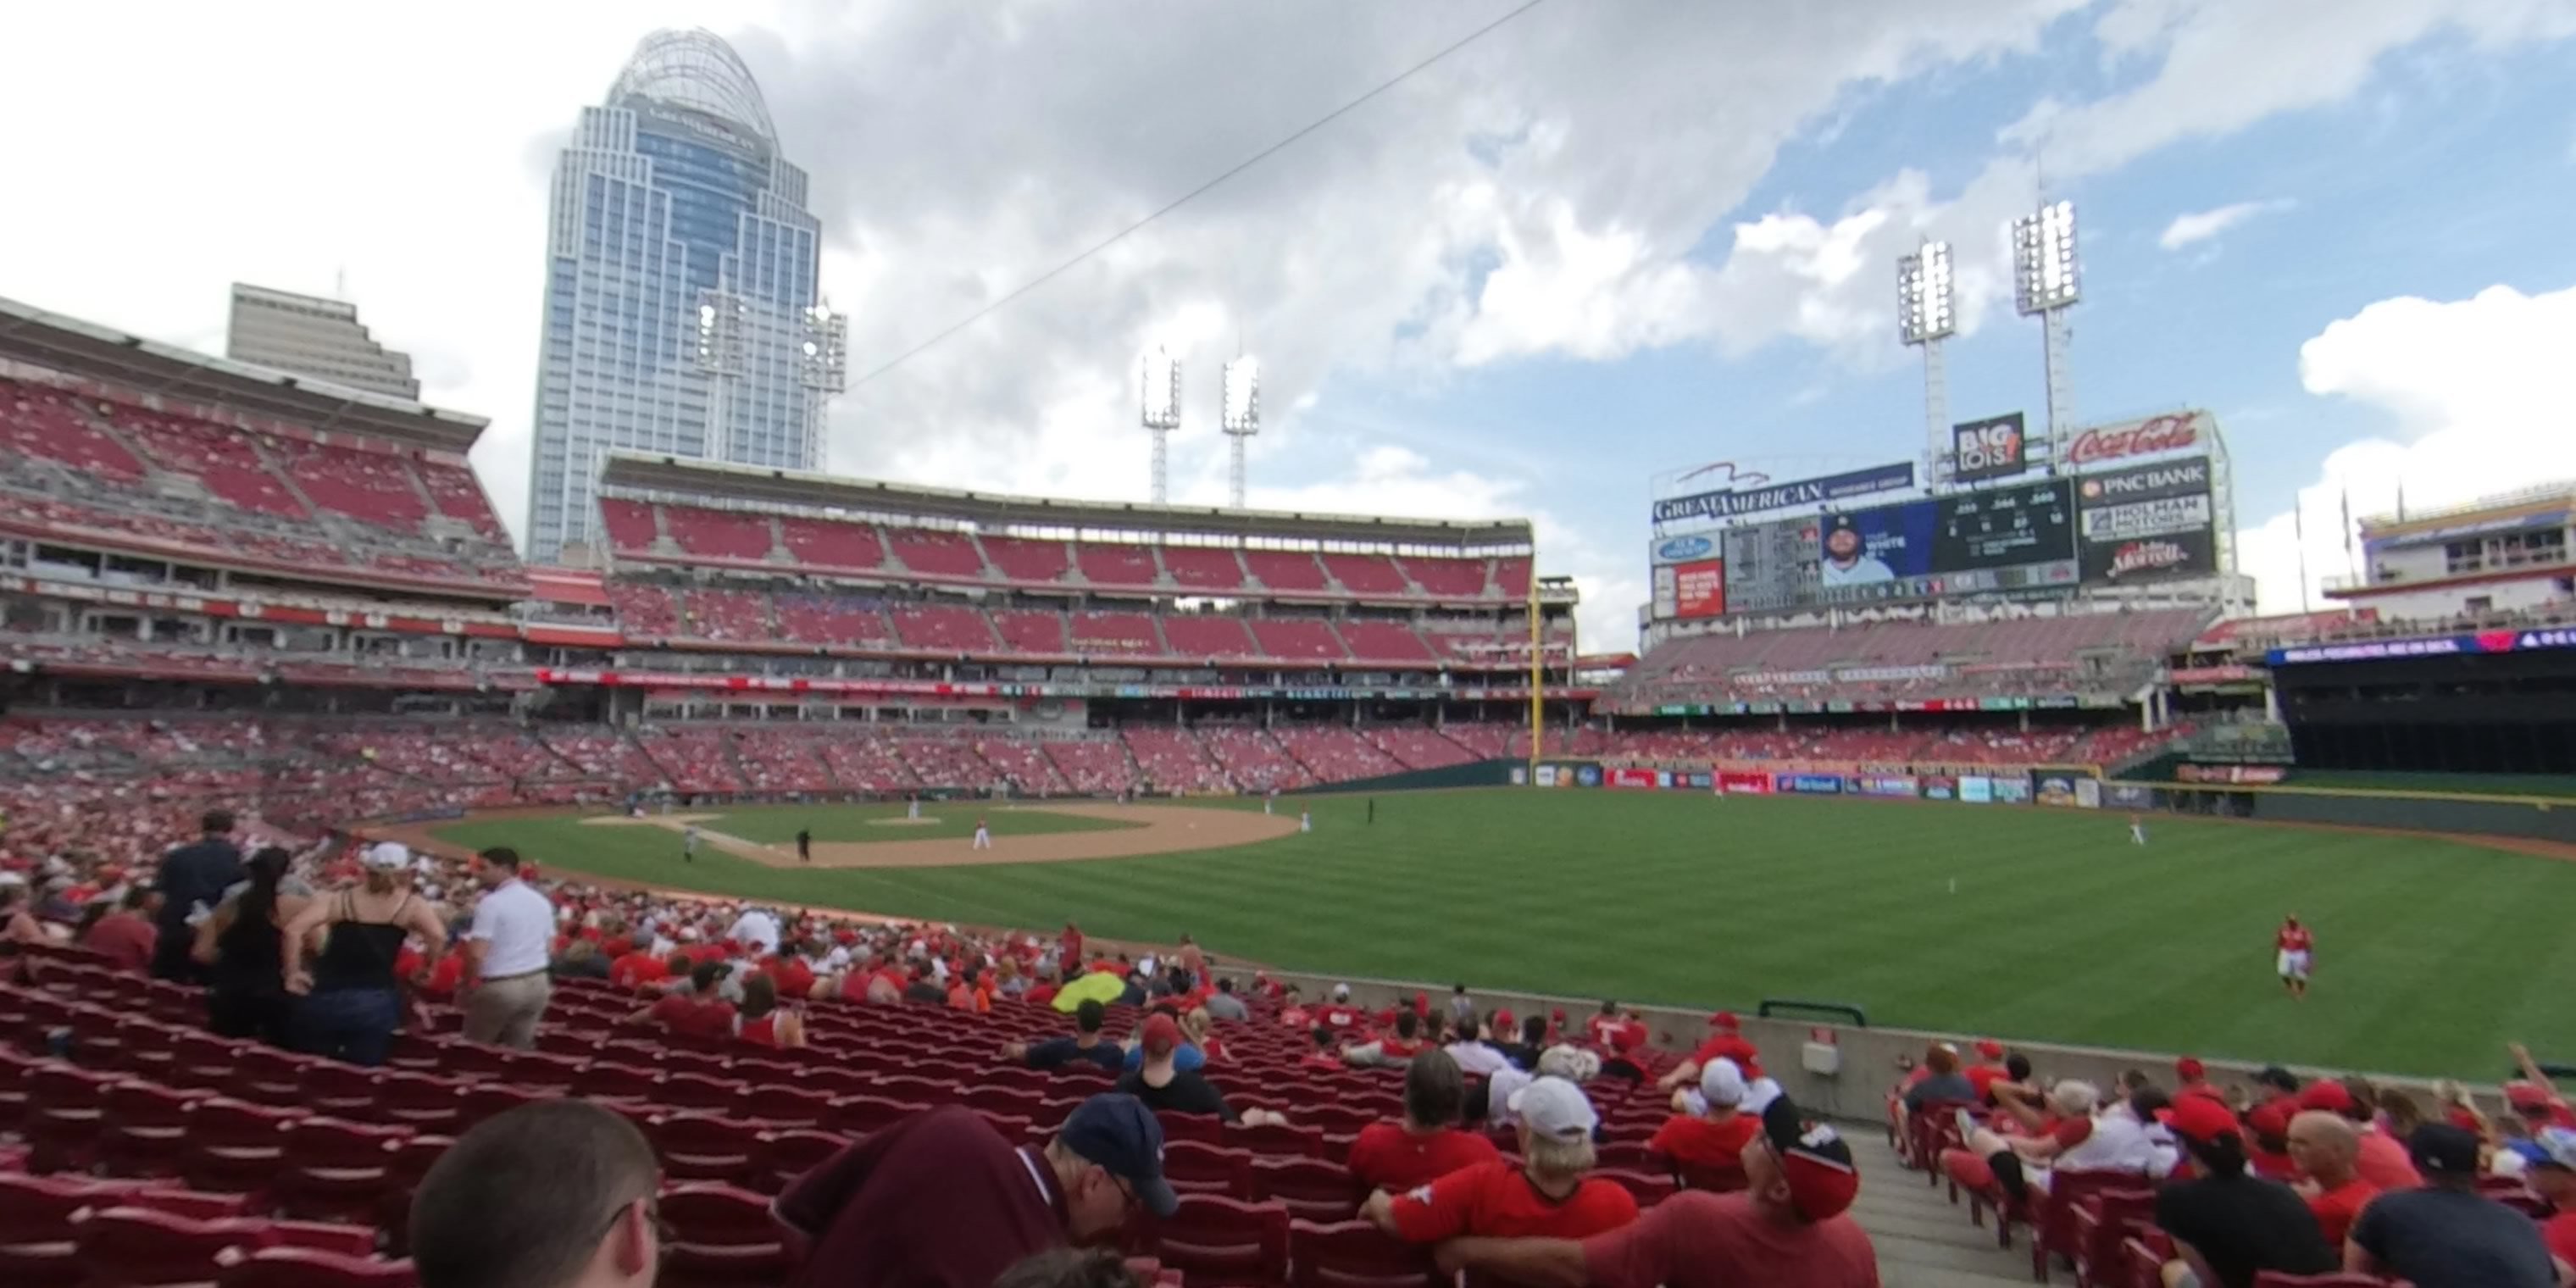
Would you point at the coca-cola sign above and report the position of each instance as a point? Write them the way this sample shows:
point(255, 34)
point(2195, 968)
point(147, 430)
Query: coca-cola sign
point(2168, 433)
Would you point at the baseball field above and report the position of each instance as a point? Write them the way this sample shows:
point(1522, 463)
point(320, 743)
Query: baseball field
point(2030, 923)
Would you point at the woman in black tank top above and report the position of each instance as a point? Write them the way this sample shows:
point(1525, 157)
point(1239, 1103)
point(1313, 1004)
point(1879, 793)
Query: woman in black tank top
point(352, 1000)
point(240, 944)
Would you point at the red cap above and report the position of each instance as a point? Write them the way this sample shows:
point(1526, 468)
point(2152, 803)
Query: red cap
point(1422, 1003)
point(1725, 1020)
point(2326, 1094)
point(2190, 1069)
point(2199, 1117)
point(2526, 1095)
point(1162, 1036)
point(1559, 1016)
point(1503, 1021)
point(1990, 1049)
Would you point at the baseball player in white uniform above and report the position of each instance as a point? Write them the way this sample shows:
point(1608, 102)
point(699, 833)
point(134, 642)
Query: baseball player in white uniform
point(689, 844)
point(983, 836)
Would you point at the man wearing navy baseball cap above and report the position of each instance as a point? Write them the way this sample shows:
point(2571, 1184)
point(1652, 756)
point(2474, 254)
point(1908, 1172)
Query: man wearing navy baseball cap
point(2447, 1235)
point(941, 1200)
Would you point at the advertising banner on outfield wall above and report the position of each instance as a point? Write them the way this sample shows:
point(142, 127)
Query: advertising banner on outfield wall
point(1547, 775)
point(1741, 783)
point(1976, 789)
point(1884, 785)
point(1644, 779)
point(2250, 775)
point(2012, 791)
point(1587, 775)
point(2088, 793)
point(1940, 787)
point(1520, 775)
point(1810, 784)
point(2129, 795)
point(2057, 789)
point(1692, 782)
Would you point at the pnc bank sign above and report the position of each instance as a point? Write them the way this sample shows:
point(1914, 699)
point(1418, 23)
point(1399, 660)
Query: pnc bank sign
point(2155, 434)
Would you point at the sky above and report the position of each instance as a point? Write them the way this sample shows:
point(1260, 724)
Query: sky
point(1611, 239)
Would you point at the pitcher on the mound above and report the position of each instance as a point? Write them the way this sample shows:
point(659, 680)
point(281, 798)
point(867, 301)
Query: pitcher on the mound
point(983, 836)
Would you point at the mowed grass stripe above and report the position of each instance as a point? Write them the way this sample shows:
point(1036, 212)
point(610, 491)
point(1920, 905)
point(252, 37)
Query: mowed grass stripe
point(2432, 953)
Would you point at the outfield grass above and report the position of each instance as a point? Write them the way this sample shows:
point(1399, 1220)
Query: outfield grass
point(2431, 953)
point(861, 824)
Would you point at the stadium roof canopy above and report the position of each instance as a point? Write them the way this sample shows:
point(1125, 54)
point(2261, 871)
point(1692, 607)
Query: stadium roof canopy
point(51, 341)
point(760, 486)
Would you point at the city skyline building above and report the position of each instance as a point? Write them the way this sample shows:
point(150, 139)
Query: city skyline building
point(683, 313)
point(313, 336)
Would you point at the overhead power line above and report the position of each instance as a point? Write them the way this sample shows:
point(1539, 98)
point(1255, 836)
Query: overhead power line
point(1193, 194)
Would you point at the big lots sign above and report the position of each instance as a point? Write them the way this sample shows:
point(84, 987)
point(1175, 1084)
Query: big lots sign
point(2136, 438)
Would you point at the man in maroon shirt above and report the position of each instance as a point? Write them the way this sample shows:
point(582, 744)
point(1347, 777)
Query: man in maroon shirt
point(1788, 1230)
point(941, 1200)
point(126, 936)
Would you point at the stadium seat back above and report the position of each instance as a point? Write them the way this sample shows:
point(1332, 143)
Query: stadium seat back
point(1356, 1254)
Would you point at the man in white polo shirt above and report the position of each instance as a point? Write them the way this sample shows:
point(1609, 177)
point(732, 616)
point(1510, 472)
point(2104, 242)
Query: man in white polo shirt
point(504, 989)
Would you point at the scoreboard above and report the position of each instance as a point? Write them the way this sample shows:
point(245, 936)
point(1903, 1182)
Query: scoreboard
point(1771, 566)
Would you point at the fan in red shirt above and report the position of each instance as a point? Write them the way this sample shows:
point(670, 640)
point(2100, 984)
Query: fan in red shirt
point(1339, 1015)
point(1709, 1145)
point(639, 969)
point(787, 970)
point(1605, 1030)
point(1989, 1070)
point(1427, 1145)
point(1789, 1228)
point(697, 1014)
point(1069, 949)
point(2294, 953)
point(2533, 1097)
point(1546, 1196)
point(1725, 1042)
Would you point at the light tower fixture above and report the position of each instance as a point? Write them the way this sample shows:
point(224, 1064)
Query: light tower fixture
point(1242, 415)
point(1926, 315)
point(724, 319)
point(823, 368)
point(1161, 412)
point(2046, 283)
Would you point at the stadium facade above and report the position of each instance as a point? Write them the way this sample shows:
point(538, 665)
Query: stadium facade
point(682, 305)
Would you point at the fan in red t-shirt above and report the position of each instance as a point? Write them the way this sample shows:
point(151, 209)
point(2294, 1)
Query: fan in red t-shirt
point(1725, 1042)
point(639, 969)
point(1546, 1195)
point(1711, 1144)
point(698, 1013)
point(1427, 1145)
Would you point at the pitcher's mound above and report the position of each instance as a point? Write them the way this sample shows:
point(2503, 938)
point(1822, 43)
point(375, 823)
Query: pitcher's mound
point(923, 821)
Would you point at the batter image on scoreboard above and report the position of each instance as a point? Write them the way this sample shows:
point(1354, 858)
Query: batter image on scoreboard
point(1847, 562)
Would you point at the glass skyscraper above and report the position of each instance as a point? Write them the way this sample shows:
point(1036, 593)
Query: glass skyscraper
point(682, 313)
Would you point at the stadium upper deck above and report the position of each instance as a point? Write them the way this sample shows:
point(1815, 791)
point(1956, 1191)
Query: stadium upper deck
point(117, 444)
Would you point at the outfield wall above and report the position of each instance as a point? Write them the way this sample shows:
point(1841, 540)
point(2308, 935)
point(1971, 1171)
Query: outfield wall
point(2236, 791)
point(1482, 773)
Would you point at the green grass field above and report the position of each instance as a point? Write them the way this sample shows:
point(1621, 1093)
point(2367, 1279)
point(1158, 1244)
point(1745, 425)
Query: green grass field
point(2431, 953)
point(778, 824)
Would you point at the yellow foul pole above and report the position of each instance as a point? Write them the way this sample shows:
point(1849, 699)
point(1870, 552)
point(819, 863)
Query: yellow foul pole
point(1538, 714)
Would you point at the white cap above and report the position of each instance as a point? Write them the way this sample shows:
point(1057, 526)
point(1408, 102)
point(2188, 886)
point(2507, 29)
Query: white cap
point(1555, 1107)
point(1341, 992)
point(1722, 1083)
point(387, 855)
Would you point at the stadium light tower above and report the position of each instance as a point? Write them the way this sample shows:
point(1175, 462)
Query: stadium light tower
point(1242, 414)
point(2045, 283)
point(1925, 316)
point(723, 319)
point(1162, 412)
point(823, 367)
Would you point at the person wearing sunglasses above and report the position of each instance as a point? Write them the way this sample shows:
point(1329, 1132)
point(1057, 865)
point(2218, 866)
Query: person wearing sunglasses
point(557, 1194)
point(942, 1200)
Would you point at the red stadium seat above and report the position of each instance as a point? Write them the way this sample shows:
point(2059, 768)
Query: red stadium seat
point(1356, 1254)
point(1224, 1243)
point(136, 1247)
point(290, 1267)
point(1196, 1167)
point(1310, 1188)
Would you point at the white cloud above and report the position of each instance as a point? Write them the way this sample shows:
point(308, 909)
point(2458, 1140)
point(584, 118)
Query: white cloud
point(2477, 392)
point(2199, 226)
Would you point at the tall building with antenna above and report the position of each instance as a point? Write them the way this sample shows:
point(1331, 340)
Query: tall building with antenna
point(683, 312)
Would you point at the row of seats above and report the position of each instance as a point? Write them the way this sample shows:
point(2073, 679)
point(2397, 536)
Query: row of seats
point(670, 532)
point(2003, 656)
point(650, 611)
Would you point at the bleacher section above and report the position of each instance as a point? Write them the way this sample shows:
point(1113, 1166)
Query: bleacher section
point(2110, 651)
point(722, 538)
point(88, 469)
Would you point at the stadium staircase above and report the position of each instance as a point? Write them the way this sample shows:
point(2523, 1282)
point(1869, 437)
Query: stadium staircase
point(1923, 1241)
